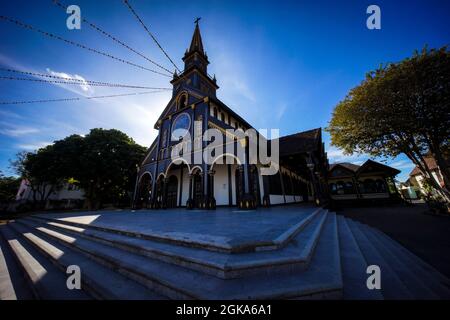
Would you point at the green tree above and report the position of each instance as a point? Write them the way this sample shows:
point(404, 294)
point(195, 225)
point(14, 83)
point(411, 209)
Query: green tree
point(8, 187)
point(41, 169)
point(106, 166)
point(103, 163)
point(400, 108)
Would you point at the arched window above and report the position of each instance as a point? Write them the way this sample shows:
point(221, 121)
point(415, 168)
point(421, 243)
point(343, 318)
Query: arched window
point(215, 112)
point(182, 101)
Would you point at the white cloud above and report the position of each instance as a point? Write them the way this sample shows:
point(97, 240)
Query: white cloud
point(233, 76)
point(83, 84)
point(280, 110)
point(402, 164)
point(134, 115)
point(17, 131)
point(9, 114)
point(337, 155)
point(33, 146)
point(85, 88)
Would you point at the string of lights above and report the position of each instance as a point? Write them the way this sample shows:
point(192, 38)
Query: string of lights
point(43, 75)
point(150, 34)
point(76, 98)
point(76, 44)
point(115, 39)
point(74, 81)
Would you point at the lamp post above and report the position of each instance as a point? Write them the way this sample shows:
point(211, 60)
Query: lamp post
point(311, 166)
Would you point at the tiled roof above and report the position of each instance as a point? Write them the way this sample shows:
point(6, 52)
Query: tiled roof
point(347, 165)
point(300, 142)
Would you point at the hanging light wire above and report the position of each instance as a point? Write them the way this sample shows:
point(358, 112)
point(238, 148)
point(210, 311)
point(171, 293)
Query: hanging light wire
point(76, 44)
point(149, 33)
point(115, 39)
point(77, 98)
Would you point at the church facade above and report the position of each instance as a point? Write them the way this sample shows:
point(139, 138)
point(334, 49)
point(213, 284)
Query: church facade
point(228, 179)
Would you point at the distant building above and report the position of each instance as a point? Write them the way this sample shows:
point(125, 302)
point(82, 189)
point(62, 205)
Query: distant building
point(349, 182)
point(409, 190)
point(69, 196)
point(417, 177)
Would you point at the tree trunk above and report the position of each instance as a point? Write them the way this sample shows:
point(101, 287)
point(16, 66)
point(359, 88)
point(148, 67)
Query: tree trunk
point(441, 163)
point(418, 160)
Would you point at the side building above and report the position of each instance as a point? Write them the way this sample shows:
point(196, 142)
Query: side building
point(372, 181)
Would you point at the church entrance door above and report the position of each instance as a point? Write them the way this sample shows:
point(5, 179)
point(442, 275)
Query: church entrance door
point(172, 192)
point(198, 194)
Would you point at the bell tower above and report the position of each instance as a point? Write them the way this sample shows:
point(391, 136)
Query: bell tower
point(195, 55)
point(195, 74)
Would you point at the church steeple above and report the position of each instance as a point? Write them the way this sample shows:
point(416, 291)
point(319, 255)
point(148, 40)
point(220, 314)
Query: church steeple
point(196, 43)
point(196, 55)
point(195, 74)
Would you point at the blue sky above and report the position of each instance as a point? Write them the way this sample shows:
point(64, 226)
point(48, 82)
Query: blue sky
point(280, 64)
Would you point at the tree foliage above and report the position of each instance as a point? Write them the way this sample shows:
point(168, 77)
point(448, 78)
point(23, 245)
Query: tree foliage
point(103, 163)
point(400, 108)
point(8, 187)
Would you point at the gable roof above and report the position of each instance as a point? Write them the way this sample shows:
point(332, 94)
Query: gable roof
point(347, 165)
point(370, 163)
point(300, 142)
point(359, 169)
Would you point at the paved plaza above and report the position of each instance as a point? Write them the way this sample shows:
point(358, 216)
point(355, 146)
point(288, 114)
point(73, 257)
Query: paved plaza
point(224, 227)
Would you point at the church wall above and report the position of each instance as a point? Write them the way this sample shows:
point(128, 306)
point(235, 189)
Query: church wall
point(290, 199)
point(276, 199)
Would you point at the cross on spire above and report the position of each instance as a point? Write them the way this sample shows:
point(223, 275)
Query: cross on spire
point(197, 20)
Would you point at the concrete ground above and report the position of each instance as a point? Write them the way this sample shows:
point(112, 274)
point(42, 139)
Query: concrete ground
point(425, 235)
point(223, 226)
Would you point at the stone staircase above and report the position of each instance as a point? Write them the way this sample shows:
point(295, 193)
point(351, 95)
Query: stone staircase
point(324, 256)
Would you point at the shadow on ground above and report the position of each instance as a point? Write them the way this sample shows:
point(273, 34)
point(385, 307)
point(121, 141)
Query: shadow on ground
point(425, 235)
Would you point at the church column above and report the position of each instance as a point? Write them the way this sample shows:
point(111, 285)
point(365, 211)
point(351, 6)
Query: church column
point(211, 201)
point(230, 188)
point(189, 203)
point(164, 194)
point(181, 187)
point(266, 186)
point(202, 203)
point(248, 200)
